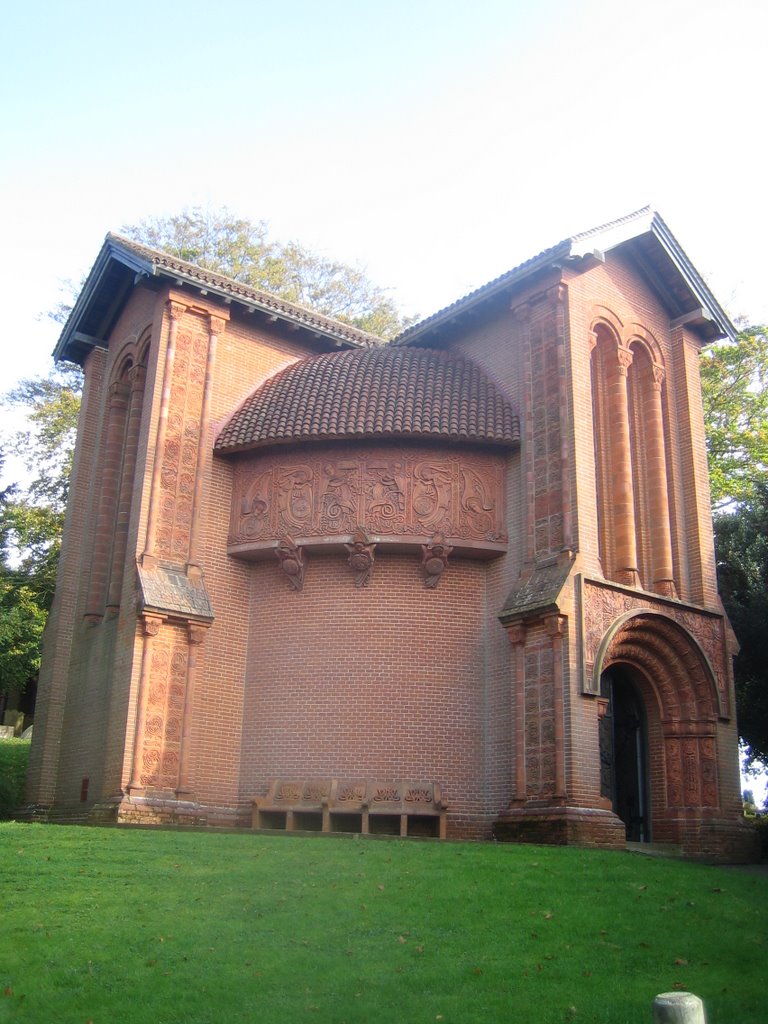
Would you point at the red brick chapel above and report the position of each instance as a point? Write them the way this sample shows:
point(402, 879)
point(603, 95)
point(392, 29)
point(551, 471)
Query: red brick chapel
point(461, 584)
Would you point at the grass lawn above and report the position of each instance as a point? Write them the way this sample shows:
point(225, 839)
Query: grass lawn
point(118, 925)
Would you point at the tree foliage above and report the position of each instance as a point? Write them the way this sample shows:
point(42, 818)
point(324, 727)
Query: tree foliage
point(734, 380)
point(742, 571)
point(241, 249)
point(32, 517)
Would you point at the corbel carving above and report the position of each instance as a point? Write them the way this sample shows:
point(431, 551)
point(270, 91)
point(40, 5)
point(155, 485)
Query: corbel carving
point(434, 559)
point(658, 376)
point(291, 559)
point(360, 557)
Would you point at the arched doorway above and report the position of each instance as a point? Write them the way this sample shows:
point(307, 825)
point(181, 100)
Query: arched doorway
point(651, 671)
point(624, 753)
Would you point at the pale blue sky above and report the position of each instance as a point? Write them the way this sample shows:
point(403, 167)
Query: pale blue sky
point(437, 144)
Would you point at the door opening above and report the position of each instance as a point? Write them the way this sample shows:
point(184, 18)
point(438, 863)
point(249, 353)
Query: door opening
point(623, 754)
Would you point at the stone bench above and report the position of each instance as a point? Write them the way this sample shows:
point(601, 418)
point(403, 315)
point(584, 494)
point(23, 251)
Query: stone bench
point(352, 805)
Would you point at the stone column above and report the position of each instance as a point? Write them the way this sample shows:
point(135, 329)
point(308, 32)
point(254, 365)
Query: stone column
point(175, 311)
point(196, 635)
point(625, 536)
point(516, 636)
point(151, 627)
point(555, 625)
point(216, 327)
point(559, 296)
point(110, 482)
point(658, 498)
point(138, 379)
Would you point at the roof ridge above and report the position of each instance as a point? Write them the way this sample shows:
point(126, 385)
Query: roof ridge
point(239, 289)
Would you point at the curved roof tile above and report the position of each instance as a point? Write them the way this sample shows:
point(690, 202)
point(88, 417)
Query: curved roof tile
point(374, 393)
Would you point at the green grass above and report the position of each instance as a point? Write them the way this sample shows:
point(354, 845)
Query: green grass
point(113, 925)
point(14, 757)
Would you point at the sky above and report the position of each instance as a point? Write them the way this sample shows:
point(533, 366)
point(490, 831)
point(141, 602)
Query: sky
point(435, 143)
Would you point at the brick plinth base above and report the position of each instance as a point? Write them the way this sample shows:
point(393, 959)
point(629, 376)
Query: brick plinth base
point(560, 826)
point(726, 842)
point(160, 810)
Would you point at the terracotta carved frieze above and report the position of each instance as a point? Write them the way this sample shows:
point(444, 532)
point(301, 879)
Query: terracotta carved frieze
point(179, 454)
point(691, 770)
point(602, 605)
point(386, 494)
point(161, 741)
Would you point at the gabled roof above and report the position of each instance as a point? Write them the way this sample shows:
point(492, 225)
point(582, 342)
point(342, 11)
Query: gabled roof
point(377, 393)
point(655, 252)
point(123, 263)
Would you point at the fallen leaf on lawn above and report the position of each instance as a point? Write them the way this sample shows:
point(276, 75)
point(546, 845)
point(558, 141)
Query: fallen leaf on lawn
point(477, 970)
point(680, 962)
point(381, 887)
point(401, 939)
point(7, 991)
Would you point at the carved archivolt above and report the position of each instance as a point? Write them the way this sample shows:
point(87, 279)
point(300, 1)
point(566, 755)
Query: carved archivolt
point(383, 493)
point(663, 634)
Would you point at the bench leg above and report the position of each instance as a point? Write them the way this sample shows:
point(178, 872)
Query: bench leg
point(403, 824)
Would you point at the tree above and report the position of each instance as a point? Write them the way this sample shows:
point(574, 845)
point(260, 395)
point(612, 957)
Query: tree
point(735, 390)
point(734, 380)
point(241, 249)
point(32, 518)
point(742, 572)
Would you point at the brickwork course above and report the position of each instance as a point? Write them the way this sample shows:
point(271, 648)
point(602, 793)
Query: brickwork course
point(475, 561)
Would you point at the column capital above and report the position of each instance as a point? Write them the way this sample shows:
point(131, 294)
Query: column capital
point(118, 392)
point(216, 324)
point(516, 633)
point(176, 310)
point(555, 625)
point(624, 358)
point(151, 624)
point(196, 632)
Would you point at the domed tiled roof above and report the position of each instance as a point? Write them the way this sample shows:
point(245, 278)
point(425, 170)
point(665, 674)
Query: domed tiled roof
point(374, 393)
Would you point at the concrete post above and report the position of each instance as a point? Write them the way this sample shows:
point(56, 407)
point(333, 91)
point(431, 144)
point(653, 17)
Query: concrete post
point(678, 1008)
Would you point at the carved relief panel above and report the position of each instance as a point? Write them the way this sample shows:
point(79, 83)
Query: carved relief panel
point(161, 743)
point(179, 455)
point(386, 493)
point(602, 605)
